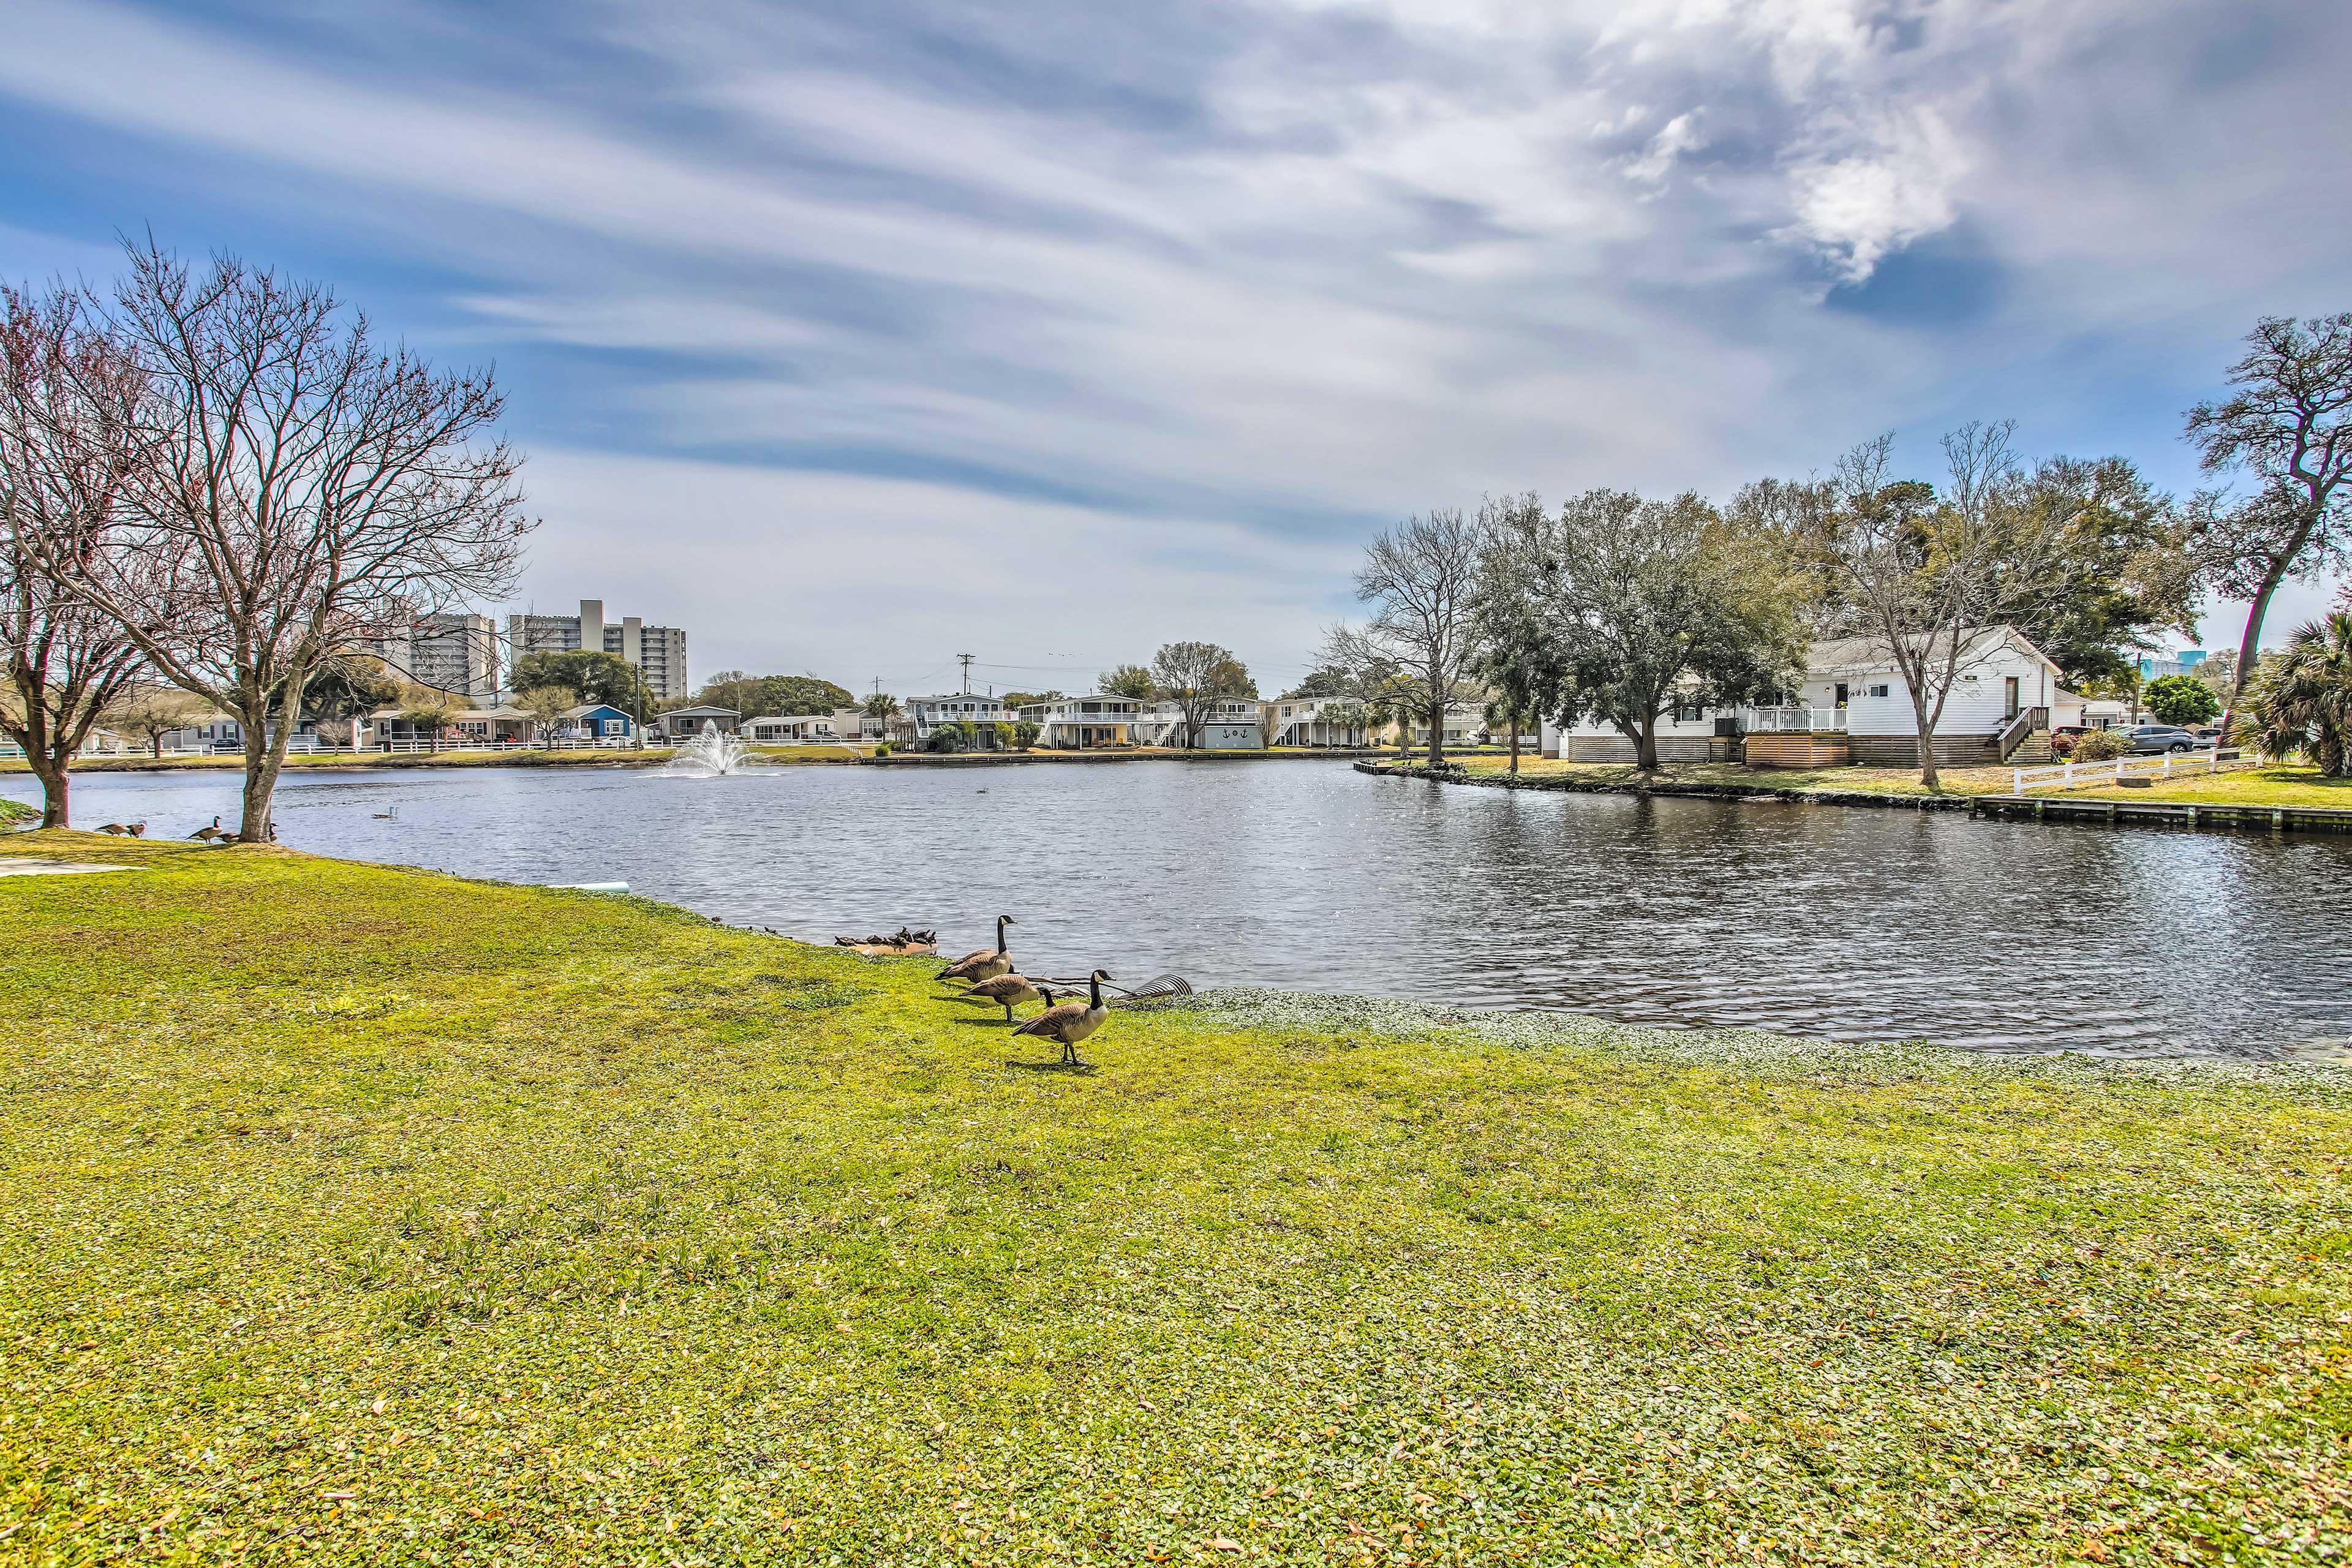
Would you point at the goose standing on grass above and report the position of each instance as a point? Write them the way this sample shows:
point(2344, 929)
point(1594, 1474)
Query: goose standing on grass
point(1070, 1022)
point(208, 833)
point(1005, 991)
point(986, 965)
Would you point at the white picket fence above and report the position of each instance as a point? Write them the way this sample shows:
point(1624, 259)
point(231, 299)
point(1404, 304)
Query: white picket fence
point(2164, 765)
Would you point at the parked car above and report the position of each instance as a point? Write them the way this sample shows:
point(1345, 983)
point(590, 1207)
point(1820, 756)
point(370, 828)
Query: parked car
point(2146, 740)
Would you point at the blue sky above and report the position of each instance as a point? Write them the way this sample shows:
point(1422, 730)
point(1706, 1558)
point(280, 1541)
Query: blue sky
point(852, 336)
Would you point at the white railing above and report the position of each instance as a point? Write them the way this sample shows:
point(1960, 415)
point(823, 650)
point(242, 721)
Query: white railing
point(2066, 775)
point(1770, 719)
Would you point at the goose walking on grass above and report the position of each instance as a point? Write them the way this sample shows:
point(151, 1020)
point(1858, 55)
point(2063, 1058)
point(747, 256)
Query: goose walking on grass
point(1005, 991)
point(986, 965)
point(120, 829)
point(209, 833)
point(1070, 1022)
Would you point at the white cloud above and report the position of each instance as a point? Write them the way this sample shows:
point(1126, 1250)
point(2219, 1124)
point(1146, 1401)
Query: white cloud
point(1857, 208)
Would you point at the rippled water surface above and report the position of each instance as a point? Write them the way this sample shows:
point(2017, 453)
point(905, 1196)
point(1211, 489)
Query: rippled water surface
point(1851, 922)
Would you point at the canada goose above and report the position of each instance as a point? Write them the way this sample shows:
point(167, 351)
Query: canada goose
point(387, 816)
point(986, 965)
point(1070, 1022)
point(117, 828)
point(1005, 990)
point(208, 833)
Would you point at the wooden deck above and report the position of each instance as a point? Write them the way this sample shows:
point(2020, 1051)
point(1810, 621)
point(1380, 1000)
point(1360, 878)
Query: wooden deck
point(1798, 749)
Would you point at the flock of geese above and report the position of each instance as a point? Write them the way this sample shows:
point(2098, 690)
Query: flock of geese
point(988, 977)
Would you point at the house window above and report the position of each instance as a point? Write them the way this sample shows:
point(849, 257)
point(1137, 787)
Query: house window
point(1880, 690)
point(1686, 713)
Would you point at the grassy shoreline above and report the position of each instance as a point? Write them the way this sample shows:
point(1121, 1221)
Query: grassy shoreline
point(2263, 785)
point(360, 1214)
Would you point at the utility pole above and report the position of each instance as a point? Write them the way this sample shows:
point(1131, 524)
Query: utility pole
point(965, 659)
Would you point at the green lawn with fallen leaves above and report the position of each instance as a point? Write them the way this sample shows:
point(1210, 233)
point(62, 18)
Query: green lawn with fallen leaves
point(359, 1214)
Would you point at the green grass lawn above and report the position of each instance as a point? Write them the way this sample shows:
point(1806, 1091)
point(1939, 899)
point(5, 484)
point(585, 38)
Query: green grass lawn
point(2278, 786)
point(2250, 786)
point(362, 1214)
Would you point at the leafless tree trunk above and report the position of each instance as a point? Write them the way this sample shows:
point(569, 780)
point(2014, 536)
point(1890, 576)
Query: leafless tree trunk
point(305, 490)
point(2290, 426)
point(69, 437)
point(1422, 580)
point(1925, 576)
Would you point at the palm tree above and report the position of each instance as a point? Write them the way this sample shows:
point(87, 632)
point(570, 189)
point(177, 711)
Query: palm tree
point(2301, 699)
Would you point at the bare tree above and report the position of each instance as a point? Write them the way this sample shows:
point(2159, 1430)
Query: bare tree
point(1196, 676)
point(70, 438)
point(307, 490)
point(2289, 427)
point(1925, 577)
point(1422, 580)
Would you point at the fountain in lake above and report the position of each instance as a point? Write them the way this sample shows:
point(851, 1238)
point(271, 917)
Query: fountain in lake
point(710, 755)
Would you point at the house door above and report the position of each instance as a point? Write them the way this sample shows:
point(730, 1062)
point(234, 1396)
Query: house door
point(1840, 693)
point(2009, 698)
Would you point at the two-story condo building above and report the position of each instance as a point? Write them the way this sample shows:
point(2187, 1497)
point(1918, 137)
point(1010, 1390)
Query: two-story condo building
point(927, 713)
point(1078, 723)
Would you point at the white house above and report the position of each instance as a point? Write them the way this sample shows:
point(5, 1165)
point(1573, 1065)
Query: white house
point(1687, 733)
point(2002, 693)
point(927, 713)
point(679, 723)
point(1313, 721)
point(1097, 719)
point(1464, 726)
point(1228, 724)
point(777, 730)
point(1854, 705)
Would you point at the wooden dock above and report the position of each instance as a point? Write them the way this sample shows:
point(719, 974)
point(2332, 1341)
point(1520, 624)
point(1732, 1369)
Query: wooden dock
point(2165, 814)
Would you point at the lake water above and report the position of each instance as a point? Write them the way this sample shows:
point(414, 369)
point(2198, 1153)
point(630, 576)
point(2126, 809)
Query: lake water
point(1860, 924)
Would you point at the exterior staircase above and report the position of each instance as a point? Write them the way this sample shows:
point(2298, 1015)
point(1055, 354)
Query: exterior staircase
point(2033, 751)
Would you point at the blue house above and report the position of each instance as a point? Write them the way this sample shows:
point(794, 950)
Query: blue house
point(597, 721)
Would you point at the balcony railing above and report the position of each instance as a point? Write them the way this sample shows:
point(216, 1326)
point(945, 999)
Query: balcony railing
point(1793, 717)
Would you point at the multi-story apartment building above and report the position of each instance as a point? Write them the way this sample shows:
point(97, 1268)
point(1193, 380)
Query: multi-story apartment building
point(456, 652)
point(659, 652)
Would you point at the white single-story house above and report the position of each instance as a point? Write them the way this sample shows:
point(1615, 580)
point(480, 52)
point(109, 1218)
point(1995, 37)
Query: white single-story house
point(2002, 691)
point(679, 723)
point(1855, 706)
point(787, 730)
point(1687, 733)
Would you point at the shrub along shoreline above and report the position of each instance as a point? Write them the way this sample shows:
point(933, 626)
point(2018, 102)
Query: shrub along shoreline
point(411, 1217)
